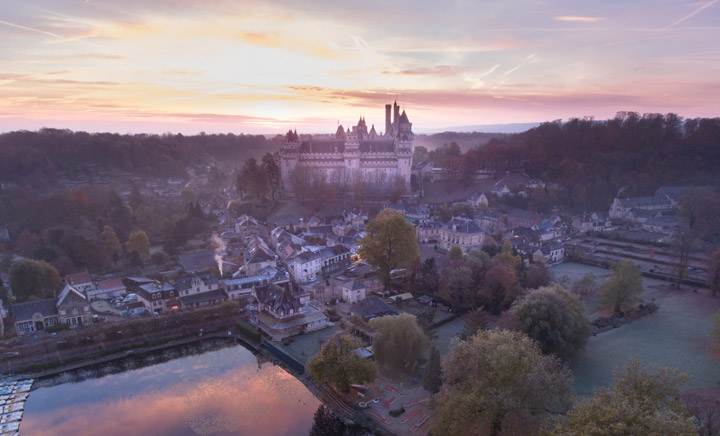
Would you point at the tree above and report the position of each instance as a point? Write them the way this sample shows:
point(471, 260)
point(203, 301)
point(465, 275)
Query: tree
point(432, 379)
point(537, 275)
point(136, 198)
point(325, 423)
point(32, 278)
point(498, 382)
point(110, 242)
point(555, 318)
point(430, 281)
point(641, 401)
point(138, 242)
point(300, 179)
point(623, 288)
point(389, 243)
point(338, 364)
point(681, 247)
point(507, 256)
point(713, 273)
point(461, 291)
point(399, 342)
point(271, 164)
point(587, 285)
point(476, 320)
point(500, 288)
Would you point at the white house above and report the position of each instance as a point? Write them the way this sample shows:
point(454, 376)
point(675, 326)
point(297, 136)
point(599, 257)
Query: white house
point(305, 267)
point(353, 291)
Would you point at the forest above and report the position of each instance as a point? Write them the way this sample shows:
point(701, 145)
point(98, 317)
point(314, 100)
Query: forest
point(592, 160)
point(34, 157)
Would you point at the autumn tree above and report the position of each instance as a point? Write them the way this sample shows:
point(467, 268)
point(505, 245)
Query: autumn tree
point(500, 288)
point(389, 243)
point(498, 382)
point(271, 164)
point(461, 291)
point(337, 363)
point(507, 256)
point(623, 288)
point(139, 243)
point(110, 242)
point(399, 342)
point(300, 180)
point(641, 401)
point(555, 318)
point(475, 321)
point(32, 278)
point(537, 275)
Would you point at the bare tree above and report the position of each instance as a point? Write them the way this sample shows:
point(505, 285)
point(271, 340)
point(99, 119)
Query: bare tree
point(681, 249)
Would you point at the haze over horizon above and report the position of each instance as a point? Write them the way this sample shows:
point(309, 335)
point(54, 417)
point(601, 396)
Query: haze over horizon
point(265, 66)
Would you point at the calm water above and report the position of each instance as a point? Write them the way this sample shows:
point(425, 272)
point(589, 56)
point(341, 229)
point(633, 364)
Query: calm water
point(219, 393)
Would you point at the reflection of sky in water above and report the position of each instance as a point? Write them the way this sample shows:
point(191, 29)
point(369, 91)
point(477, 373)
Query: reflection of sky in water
point(218, 393)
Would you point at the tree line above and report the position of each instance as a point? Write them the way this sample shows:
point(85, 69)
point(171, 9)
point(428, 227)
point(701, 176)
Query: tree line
point(592, 160)
point(35, 158)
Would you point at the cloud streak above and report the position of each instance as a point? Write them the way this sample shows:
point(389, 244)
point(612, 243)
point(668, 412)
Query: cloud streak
point(578, 19)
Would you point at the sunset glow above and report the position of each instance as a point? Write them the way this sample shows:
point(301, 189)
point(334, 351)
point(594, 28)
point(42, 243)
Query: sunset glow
point(263, 66)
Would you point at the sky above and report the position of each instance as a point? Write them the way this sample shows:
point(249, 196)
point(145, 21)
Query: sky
point(263, 66)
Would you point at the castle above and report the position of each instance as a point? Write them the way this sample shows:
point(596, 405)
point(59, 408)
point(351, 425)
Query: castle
point(380, 161)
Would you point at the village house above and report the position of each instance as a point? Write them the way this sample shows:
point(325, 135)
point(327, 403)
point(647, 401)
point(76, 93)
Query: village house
point(72, 307)
point(305, 267)
point(35, 316)
point(198, 290)
point(282, 313)
point(551, 253)
point(353, 291)
point(596, 221)
point(490, 222)
point(621, 207)
point(156, 296)
point(428, 231)
point(463, 233)
point(334, 258)
point(371, 307)
point(478, 200)
point(81, 282)
point(522, 218)
point(107, 289)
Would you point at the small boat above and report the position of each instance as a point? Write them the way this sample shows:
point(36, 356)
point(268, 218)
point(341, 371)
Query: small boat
point(14, 407)
point(10, 426)
point(10, 417)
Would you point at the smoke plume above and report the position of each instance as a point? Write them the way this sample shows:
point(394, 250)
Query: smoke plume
point(218, 246)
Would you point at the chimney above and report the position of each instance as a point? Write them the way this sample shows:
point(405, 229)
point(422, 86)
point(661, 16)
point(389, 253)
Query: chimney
point(387, 118)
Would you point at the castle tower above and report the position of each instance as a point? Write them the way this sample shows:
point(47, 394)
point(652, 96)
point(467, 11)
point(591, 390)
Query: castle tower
point(388, 121)
point(396, 117)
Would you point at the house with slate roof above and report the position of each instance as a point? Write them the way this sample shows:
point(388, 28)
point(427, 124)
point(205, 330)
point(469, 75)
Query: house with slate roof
point(72, 307)
point(463, 233)
point(35, 316)
point(353, 291)
point(371, 307)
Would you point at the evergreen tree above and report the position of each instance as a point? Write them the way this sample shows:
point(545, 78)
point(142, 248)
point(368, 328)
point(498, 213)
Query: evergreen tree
point(432, 377)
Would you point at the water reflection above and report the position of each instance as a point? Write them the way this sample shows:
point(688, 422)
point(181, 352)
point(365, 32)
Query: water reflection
point(218, 393)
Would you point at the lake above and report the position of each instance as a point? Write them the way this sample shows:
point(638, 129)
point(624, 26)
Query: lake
point(219, 392)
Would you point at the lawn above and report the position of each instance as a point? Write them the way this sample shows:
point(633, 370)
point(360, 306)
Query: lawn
point(677, 336)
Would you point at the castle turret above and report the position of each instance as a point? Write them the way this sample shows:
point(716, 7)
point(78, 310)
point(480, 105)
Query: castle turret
point(388, 121)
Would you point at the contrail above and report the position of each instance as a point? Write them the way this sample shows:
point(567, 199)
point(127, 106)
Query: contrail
point(690, 15)
point(17, 26)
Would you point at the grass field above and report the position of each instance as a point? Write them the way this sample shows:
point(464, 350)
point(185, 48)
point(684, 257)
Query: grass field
point(677, 336)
